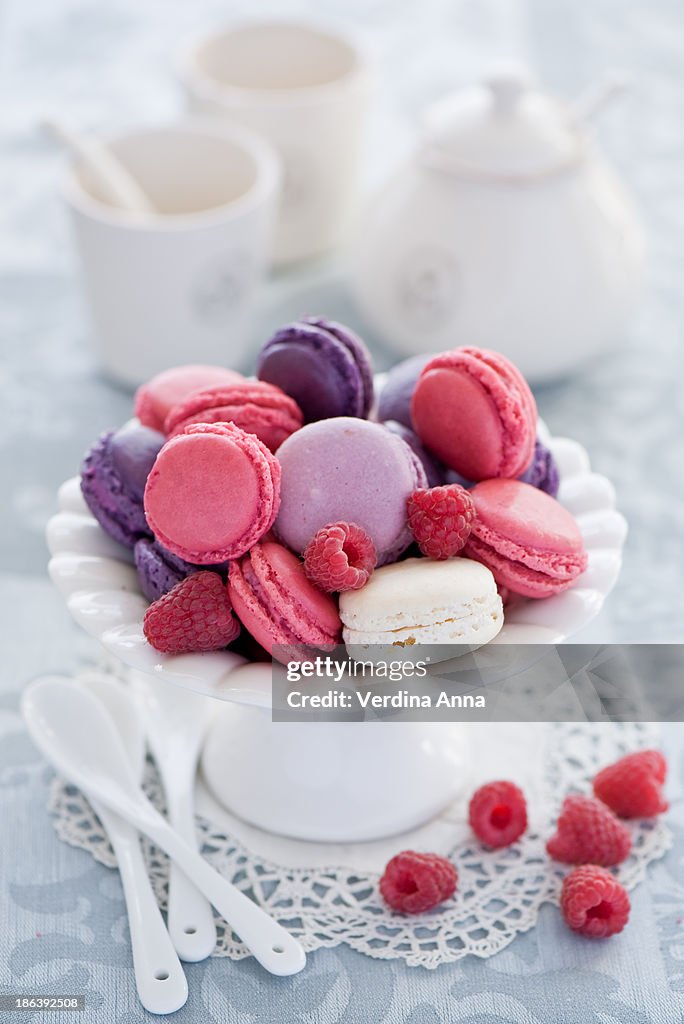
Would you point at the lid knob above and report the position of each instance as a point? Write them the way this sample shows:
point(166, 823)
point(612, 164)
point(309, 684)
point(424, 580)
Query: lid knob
point(507, 83)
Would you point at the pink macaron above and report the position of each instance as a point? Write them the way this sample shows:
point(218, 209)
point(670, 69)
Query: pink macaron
point(278, 604)
point(212, 493)
point(254, 406)
point(156, 398)
point(528, 540)
point(474, 410)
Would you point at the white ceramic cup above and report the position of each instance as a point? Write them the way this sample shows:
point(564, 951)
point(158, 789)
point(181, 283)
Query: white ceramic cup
point(306, 90)
point(178, 286)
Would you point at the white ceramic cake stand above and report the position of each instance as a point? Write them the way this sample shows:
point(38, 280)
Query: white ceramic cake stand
point(341, 782)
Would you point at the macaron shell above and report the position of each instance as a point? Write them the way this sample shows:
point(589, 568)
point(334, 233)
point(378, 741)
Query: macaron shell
point(154, 399)
point(435, 473)
point(526, 516)
point(542, 471)
point(419, 592)
point(282, 574)
point(531, 543)
point(347, 469)
point(213, 492)
point(519, 578)
point(133, 449)
point(158, 574)
point(359, 352)
point(116, 506)
point(394, 402)
point(276, 602)
point(475, 412)
point(316, 369)
point(254, 406)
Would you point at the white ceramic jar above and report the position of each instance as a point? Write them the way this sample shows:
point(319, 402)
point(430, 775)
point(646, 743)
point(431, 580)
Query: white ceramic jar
point(506, 229)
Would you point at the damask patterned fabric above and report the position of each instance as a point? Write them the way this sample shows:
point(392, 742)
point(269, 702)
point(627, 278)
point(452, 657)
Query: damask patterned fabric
point(62, 922)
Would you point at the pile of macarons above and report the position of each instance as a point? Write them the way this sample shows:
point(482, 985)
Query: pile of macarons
point(296, 487)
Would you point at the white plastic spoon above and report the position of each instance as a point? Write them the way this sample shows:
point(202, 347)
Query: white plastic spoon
point(114, 180)
point(175, 722)
point(159, 977)
point(73, 730)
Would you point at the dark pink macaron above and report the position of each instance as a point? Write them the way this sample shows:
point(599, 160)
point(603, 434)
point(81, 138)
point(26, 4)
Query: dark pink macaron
point(157, 396)
point(254, 406)
point(529, 541)
point(474, 410)
point(277, 603)
point(213, 492)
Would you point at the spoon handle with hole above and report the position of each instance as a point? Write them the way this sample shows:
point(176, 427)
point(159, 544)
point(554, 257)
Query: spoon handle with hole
point(159, 977)
point(275, 949)
point(190, 917)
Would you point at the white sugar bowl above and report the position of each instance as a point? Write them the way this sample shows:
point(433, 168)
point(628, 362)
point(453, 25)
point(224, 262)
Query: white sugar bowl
point(506, 229)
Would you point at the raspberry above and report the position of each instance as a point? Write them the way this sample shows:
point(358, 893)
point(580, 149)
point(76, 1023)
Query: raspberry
point(593, 902)
point(414, 882)
point(195, 615)
point(440, 518)
point(589, 833)
point(341, 556)
point(498, 813)
point(632, 787)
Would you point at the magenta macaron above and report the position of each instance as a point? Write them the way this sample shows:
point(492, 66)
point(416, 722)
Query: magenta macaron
point(213, 492)
point(529, 541)
point(278, 605)
point(254, 406)
point(347, 470)
point(156, 398)
point(474, 410)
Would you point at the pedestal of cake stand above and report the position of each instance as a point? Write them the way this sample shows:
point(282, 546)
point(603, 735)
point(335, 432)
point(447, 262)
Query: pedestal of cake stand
point(332, 781)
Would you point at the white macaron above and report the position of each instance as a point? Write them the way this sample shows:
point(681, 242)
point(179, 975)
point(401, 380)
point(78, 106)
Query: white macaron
point(420, 601)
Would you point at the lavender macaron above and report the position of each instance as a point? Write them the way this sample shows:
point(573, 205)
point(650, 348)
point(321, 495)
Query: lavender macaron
point(113, 476)
point(394, 402)
point(323, 365)
point(434, 470)
point(542, 471)
point(347, 470)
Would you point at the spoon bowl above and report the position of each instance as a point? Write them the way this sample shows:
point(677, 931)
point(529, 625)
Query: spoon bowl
point(72, 728)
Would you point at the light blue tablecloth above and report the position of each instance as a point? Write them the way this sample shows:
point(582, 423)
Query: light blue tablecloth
point(62, 925)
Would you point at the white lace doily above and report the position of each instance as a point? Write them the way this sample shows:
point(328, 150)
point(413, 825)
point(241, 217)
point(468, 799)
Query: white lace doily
point(499, 892)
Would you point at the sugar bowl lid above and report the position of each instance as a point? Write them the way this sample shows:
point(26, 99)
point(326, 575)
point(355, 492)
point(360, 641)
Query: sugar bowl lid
point(505, 129)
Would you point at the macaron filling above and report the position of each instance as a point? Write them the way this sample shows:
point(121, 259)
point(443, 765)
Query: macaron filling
point(452, 627)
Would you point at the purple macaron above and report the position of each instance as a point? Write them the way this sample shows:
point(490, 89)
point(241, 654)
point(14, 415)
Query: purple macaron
point(542, 472)
point(159, 570)
point(347, 470)
point(113, 476)
point(434, 470)
point(323, 365)
point(395, 398)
